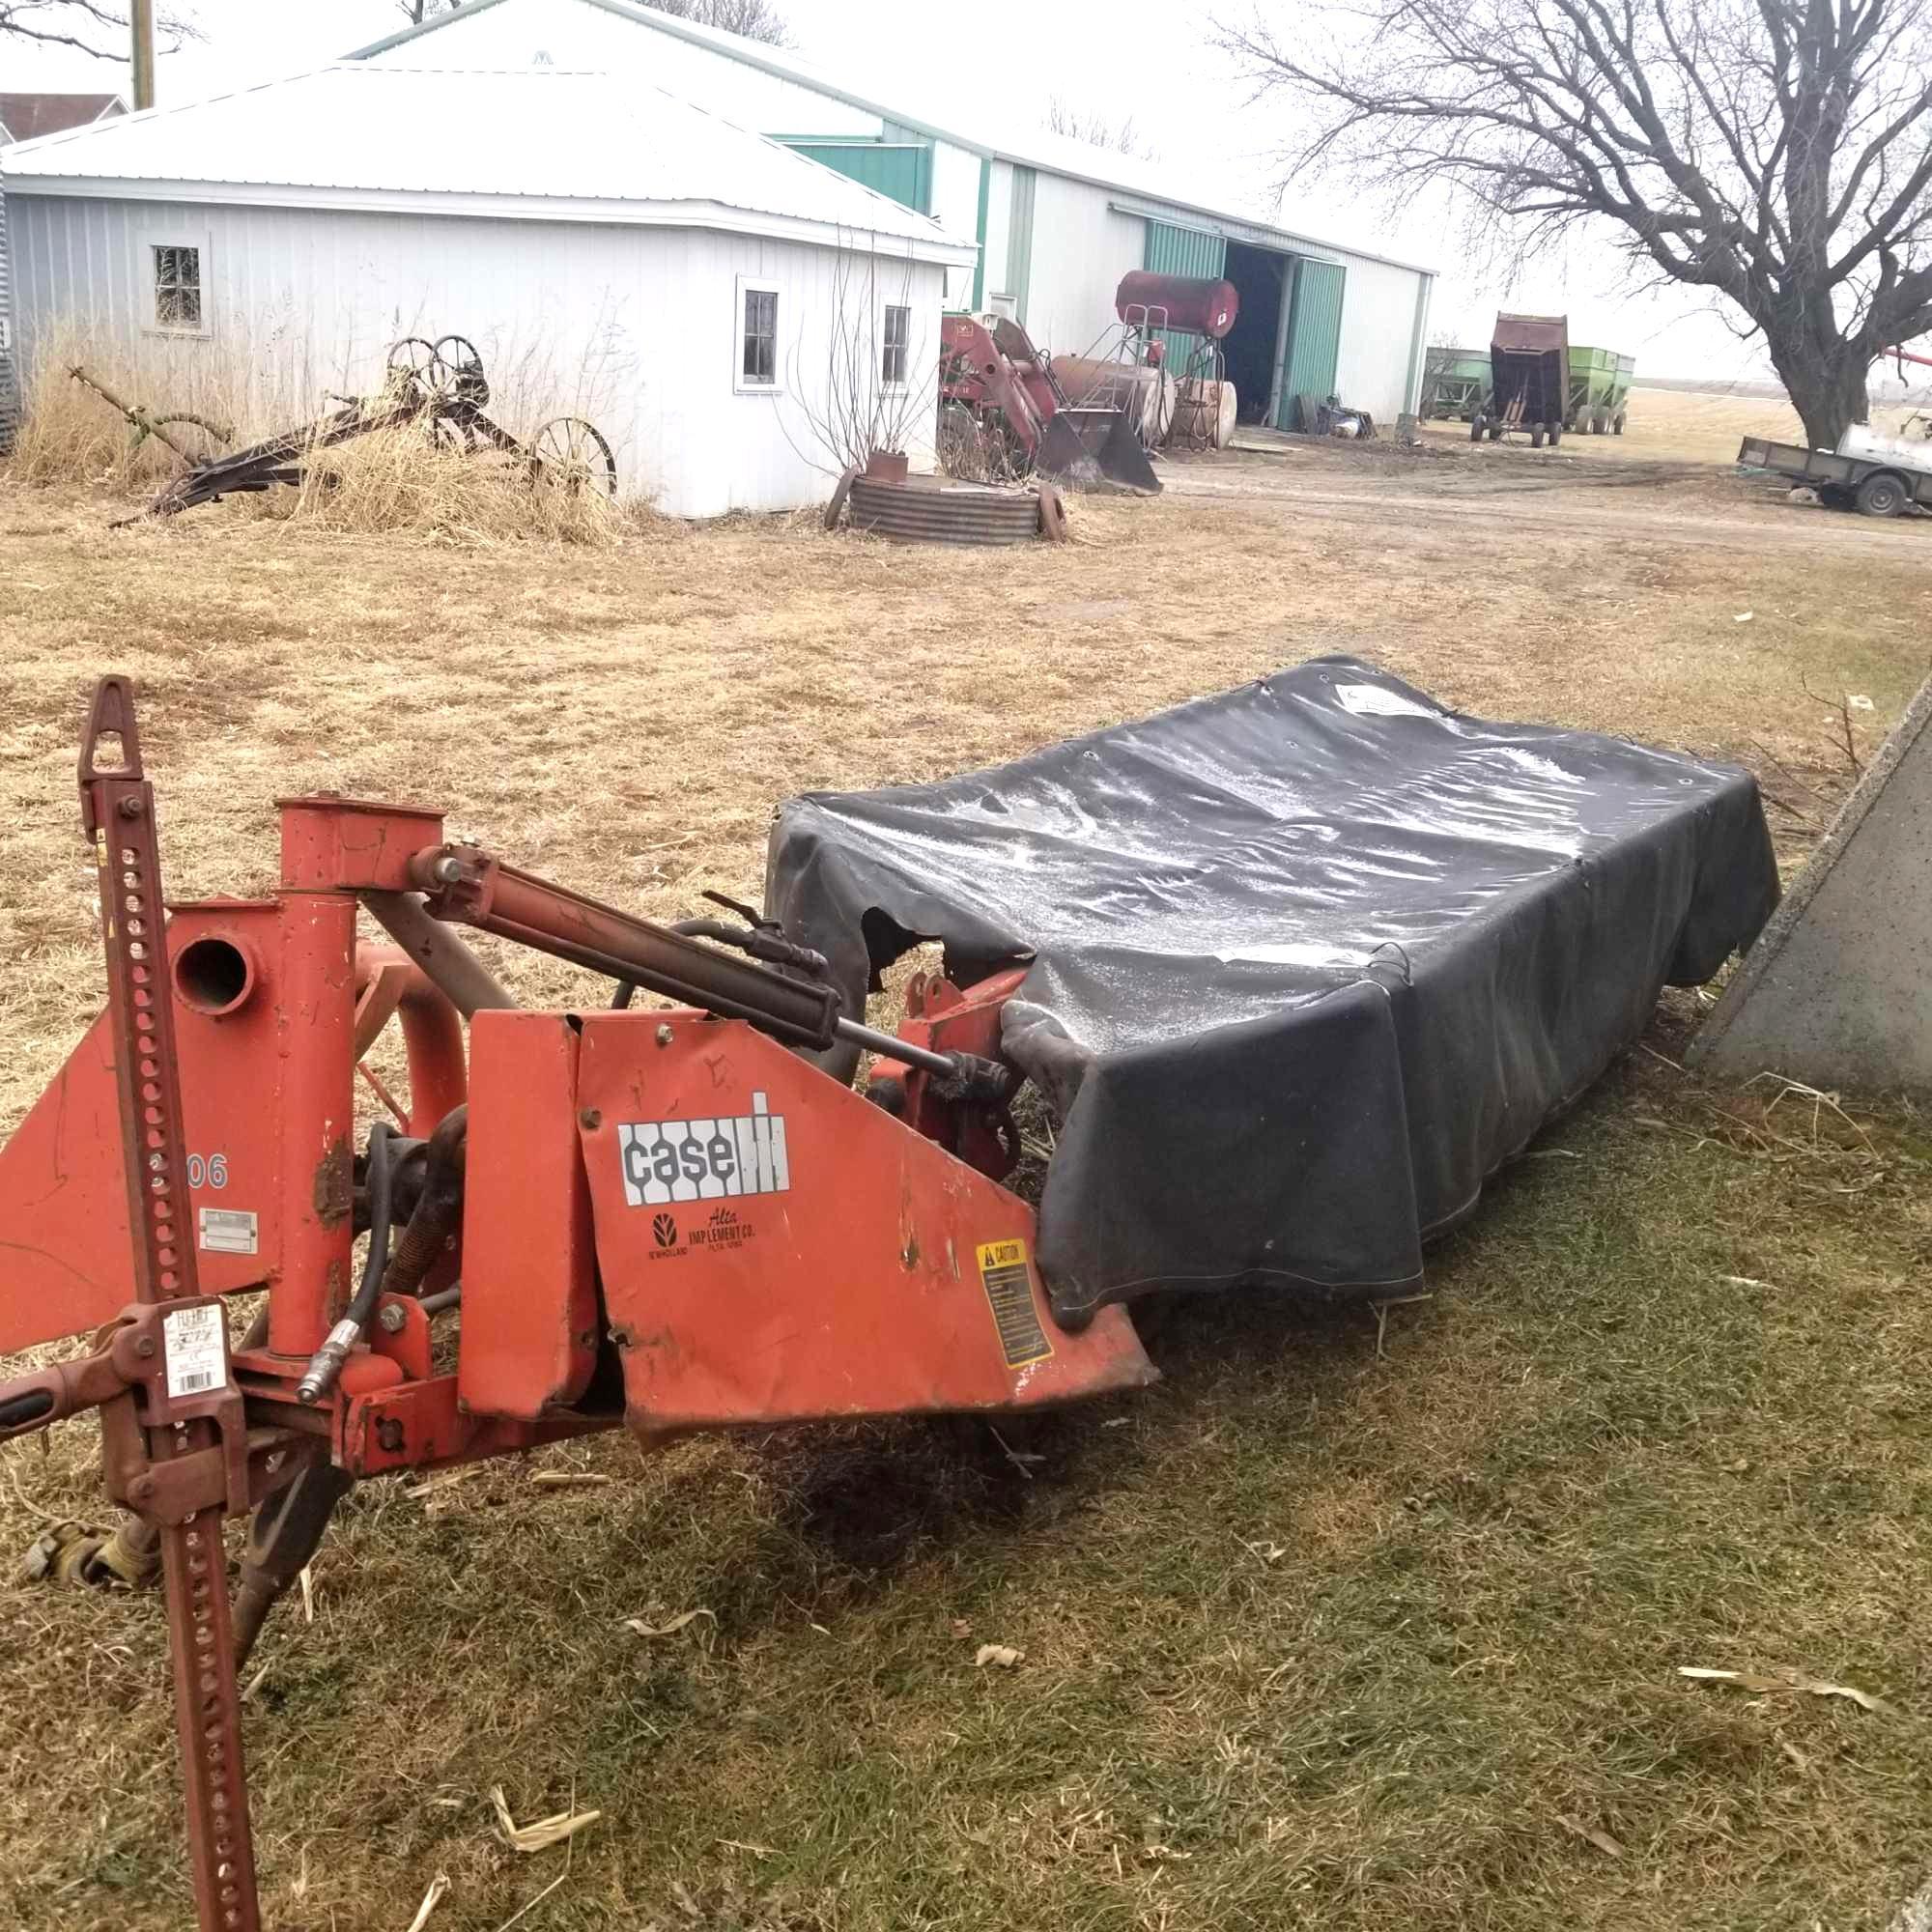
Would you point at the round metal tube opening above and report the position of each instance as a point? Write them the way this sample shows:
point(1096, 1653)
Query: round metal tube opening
point(214, 976)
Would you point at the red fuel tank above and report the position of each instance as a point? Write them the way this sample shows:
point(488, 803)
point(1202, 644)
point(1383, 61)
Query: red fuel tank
point(1192, 303)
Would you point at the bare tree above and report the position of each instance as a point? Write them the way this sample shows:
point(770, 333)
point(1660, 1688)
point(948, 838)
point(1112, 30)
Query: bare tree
point(880, 373)
point(88, 27)
point(1098, 130)
point(748, 19)
point(420, 10)
point(1776, 152)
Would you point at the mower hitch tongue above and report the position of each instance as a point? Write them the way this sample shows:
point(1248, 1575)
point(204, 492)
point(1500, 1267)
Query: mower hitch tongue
point(637, 1212)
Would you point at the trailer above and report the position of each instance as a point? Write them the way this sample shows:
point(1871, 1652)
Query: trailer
point(1881, 475)
point(1529, 381)
point(1456, 384)
point(1599, 386)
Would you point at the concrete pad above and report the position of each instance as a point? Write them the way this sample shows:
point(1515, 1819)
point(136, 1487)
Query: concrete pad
point(1838, 991)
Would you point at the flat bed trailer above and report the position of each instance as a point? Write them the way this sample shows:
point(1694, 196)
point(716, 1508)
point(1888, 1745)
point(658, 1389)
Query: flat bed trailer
point(1880, 484)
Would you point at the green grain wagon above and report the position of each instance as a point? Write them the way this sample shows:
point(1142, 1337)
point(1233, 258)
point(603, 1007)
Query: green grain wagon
point(1599, 386)
point(1455, 382)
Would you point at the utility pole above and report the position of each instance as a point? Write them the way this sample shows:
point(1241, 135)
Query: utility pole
point(142, 15)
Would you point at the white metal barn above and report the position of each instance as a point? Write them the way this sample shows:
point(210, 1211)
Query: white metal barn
point(23, 116)
point(1056, 222)
point(613, 251)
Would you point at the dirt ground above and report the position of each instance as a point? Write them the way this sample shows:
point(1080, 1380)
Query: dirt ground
point(1350, 1623)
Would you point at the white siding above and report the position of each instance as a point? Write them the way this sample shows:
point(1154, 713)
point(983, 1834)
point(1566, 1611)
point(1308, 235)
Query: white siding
point(955, 207)
point(1081, 248)
point(636, 328)
point(1379, 323)
point(574, 38)
point(999, 228)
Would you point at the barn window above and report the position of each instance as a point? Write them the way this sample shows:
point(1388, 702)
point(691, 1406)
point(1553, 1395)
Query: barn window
point(177, 287)
point(899, 339)
point(759, 365)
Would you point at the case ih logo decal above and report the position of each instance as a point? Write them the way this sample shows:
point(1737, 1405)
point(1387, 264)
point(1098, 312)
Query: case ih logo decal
point(705, 1160)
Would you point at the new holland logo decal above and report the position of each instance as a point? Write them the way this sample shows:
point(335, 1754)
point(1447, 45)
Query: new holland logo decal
point(703, 1160)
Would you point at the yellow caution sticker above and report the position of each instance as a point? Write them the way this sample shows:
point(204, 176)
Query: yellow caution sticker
point(1009, 1283)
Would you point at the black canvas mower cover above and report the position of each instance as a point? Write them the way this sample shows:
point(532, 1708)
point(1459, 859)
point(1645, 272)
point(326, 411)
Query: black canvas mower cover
point(1306, 961)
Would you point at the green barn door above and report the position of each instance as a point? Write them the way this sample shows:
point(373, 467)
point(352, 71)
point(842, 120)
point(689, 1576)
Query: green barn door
point(901, 170)
point(1313, 335)
point(1183, 251)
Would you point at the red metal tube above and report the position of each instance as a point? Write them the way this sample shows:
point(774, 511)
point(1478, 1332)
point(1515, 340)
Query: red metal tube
point(432, 1031)
point(317, 1020)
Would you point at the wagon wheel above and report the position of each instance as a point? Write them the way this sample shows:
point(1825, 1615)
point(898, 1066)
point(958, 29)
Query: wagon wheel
point(456, 374)
point(568, 454)
point(412, 356)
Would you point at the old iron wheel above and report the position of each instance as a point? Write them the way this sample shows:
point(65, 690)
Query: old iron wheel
point(1555, 435)
point(455, 374)
point(1536, 436)
point(1882, 495)
point(412, 356)
point(569, 454)
point(1617, 424)
point(1477, 424)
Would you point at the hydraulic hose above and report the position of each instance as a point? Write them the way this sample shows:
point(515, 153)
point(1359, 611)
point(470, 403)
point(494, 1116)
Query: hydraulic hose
point(432, 1221)
point(325, 1365)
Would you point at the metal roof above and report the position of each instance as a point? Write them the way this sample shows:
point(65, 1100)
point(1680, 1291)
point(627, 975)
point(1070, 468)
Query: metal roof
point(1130, 175)
point(531, 145)
point(25, 117)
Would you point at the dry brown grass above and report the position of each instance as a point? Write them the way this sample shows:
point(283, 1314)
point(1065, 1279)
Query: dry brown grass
point(70, 436)
point(399, 482)
point(402, 482)
point(1593, 1457)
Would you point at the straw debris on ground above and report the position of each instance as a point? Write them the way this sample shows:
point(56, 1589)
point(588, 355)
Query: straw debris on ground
point(1356, 1621)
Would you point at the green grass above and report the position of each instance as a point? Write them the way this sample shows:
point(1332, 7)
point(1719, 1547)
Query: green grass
point(1316, 1634)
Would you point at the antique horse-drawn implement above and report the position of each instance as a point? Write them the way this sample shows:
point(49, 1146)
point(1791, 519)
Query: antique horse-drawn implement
point(440, 386)
point(1293, 968)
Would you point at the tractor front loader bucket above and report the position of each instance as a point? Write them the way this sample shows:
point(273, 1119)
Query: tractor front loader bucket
point(1095, 449)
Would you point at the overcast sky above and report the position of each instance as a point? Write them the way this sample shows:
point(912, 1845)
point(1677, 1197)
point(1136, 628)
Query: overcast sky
point(1115, 57)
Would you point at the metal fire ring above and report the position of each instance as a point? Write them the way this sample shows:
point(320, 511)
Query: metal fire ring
point(944, 512)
